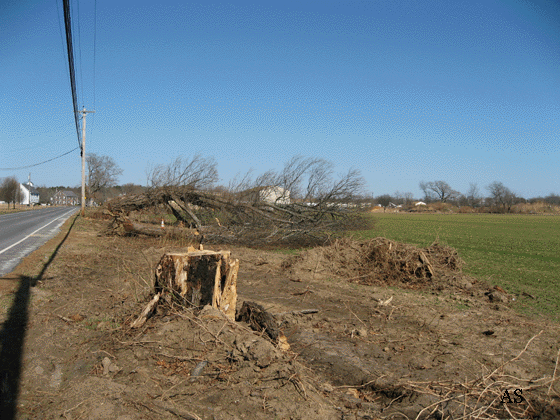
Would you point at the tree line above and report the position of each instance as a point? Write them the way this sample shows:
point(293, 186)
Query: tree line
point(103, 175)
point(498, 197)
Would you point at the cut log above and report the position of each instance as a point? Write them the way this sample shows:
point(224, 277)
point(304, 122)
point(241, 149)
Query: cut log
point(199, 278)
point(147, 312)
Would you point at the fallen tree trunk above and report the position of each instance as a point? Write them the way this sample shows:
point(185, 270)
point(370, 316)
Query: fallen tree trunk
point(122, 226)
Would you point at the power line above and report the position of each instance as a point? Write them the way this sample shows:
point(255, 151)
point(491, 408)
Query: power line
point(36, 146)
point(40, 163)
point(68, 26)
point(94, 46)
point(80, 66)
point(94, 53)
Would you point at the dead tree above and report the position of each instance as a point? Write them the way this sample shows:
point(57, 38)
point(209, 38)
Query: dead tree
point(302, 200)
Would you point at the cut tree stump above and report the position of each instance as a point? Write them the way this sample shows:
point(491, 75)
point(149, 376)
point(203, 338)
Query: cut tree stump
point(200, 278)
point(195, 278)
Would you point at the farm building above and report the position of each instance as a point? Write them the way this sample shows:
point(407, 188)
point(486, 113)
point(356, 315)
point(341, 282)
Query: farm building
point(65, 198)
point(267, 194)
point(28, 193)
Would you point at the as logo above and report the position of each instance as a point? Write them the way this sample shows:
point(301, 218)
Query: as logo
point(518, 398)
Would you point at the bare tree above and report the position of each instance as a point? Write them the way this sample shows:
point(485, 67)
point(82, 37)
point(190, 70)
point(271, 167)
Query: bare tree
point(473, 195)
point(408, 197)
point(552, 199)
point(198, 173)
point(103, 172)
point(502, 195)
point(439, 190)
point(384, 199)
point(428, 193)
point(10, 191)
point(398, 197)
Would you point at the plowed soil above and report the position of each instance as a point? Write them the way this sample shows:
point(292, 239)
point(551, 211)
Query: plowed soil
point(377, 330)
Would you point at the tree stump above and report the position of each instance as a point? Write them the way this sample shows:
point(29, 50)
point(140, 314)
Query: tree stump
point(200, 278)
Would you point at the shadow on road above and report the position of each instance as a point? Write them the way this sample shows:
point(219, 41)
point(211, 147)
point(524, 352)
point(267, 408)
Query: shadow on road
point(12, 338)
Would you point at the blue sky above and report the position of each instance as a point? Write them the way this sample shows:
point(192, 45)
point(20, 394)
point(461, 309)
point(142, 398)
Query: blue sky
point(405, 91)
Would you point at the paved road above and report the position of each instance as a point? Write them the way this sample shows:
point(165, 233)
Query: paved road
point(23, 232)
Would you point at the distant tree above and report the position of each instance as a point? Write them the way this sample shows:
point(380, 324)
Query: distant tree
point(45, 194)
point(131, 189)
point(103, 172)
point(384, 199)
point(473, 196)
point(553, 199)
point(461, 200)
point(398, 197)
point(408, 198)
point(502, 196)
point(10, 191)
point(439, 190)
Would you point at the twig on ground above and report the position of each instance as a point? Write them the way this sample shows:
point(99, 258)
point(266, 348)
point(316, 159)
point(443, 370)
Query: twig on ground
point(554, 374)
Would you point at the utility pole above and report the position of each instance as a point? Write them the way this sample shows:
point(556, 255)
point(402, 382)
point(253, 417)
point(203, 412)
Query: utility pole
point(84, 112)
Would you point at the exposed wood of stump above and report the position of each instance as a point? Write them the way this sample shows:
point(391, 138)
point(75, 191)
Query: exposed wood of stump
point(200, 278)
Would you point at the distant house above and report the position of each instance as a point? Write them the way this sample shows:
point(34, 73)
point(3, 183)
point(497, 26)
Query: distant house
point(65, 198)
point(28, 193)
point(266, 194)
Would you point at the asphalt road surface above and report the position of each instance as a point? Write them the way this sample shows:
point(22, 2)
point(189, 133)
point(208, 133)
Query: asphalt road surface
point(23, 232)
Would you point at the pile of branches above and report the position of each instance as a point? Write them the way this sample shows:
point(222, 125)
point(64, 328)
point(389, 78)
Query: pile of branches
point(378, 261)
point(301, 204)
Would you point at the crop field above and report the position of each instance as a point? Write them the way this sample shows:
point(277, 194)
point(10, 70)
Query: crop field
point(520, 253)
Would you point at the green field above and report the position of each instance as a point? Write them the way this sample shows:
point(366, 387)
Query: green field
point(520, 253)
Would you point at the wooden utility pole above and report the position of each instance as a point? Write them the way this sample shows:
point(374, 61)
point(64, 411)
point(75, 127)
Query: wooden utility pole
point(84, 112)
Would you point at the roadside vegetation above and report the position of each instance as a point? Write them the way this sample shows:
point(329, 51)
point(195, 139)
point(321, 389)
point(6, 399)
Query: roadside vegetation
point(520, 253)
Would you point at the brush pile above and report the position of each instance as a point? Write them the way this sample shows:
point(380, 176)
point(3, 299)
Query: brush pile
point(378, 261)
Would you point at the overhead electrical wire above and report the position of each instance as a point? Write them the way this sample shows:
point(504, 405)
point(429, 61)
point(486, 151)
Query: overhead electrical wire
point(94, 46)
point(80, 66)
point(68, 27)
point(40, 163)
point(94, 54)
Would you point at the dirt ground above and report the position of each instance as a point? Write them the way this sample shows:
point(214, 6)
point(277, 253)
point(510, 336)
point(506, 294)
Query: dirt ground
point(432, 344)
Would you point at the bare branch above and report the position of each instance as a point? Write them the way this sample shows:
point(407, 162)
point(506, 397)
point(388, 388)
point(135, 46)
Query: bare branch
point(197, 173)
